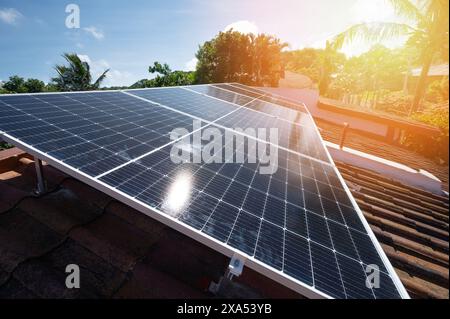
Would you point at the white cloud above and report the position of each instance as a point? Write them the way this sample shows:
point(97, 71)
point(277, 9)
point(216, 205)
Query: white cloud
point(191, 64)
point(102, 63)
point(84, 58)
point(118, 78)
point(114, 77)
point(10, 16)
point(243, 26)
point(98, 34)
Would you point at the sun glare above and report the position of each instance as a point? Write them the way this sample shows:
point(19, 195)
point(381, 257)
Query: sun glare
point(178, 195)
point(372, 10)
point(367, 11)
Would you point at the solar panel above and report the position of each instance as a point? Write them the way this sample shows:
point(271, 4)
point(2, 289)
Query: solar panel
point(187, 101)
point(299, 225)
point(293, 136)
point(267, 97)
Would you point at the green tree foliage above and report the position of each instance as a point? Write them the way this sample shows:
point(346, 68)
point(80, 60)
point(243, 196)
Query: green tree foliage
point(162, 69)
point(434, 147)
point(165, 77)
point(378, 69)
point(4, 146)
point(17, 84)
point(437, 91)
point(318, 64)
point(304, 61)
point(235, 57)
point(329, 61)
point(139, 84)
point(34, 86)
point(76, 75)
point(428, 31)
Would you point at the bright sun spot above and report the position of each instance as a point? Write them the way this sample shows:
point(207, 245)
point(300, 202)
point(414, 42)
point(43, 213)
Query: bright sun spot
point(372, 10)
point(367, 11)
point(178, 194)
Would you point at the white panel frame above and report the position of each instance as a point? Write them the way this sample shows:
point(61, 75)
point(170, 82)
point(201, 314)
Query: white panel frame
point(264, 269)
point(251, 262)
point(398, 283)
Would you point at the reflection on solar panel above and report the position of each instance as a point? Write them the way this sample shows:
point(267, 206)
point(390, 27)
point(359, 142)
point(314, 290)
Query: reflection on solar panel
point(299, 226)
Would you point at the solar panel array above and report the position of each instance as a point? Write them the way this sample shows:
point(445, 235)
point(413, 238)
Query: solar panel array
point(299, 224)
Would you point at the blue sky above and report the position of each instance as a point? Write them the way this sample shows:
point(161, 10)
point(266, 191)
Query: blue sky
point(127, 36)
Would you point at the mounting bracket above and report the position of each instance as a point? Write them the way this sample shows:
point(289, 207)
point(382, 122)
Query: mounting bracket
point(41, 184)
point(235, 268)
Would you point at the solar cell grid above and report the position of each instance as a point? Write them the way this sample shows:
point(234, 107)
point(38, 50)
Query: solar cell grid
point(298, 138)
point(120, 127)
point(241, 199)
point(187, 101)
point(222, 94)
point(298, 221)
point(278, 104)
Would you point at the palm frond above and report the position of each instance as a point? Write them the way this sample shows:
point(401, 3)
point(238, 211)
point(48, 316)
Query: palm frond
point(371, 32)
point(407, 9)
point(97, 83)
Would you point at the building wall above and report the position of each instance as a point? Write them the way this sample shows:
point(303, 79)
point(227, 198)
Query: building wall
point(311, 97)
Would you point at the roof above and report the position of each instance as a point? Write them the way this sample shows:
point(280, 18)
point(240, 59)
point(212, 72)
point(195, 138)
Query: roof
point(412, 226)
point(295, 80)
point(125, 254)
point(377, 117)
point(323, 108)
point(356, 140)
point(121, 252)
point(367, 143)
point(435, 70)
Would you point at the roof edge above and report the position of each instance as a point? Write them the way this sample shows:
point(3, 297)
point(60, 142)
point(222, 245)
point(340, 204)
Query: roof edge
point(416, 178)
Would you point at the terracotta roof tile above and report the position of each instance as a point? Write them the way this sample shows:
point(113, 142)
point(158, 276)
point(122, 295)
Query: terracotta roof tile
point(23, 237)
point(125, 254)
point(136, 219)
point(375, 146)
point(13, 289)
point(45, 276)
point(195, 264)
point(10, 196)
point(115, 240)
point(412, 226)
point(148, 282)
point(61, 210)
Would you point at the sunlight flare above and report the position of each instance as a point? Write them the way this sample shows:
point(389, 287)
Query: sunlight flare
point(178, 195)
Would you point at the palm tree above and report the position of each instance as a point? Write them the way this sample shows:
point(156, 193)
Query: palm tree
point(428, 31)
point(76, 76)
point(328, 60)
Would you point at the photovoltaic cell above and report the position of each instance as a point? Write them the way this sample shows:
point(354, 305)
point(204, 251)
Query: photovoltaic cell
point(298, 221)
point(223, 94)
point(279, 104)
point(93, 132)
point(255, 214)
point(291, 135)
point(187, 101)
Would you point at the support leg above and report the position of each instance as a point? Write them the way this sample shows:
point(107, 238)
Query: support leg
point(41, 185)
point(235, 268)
